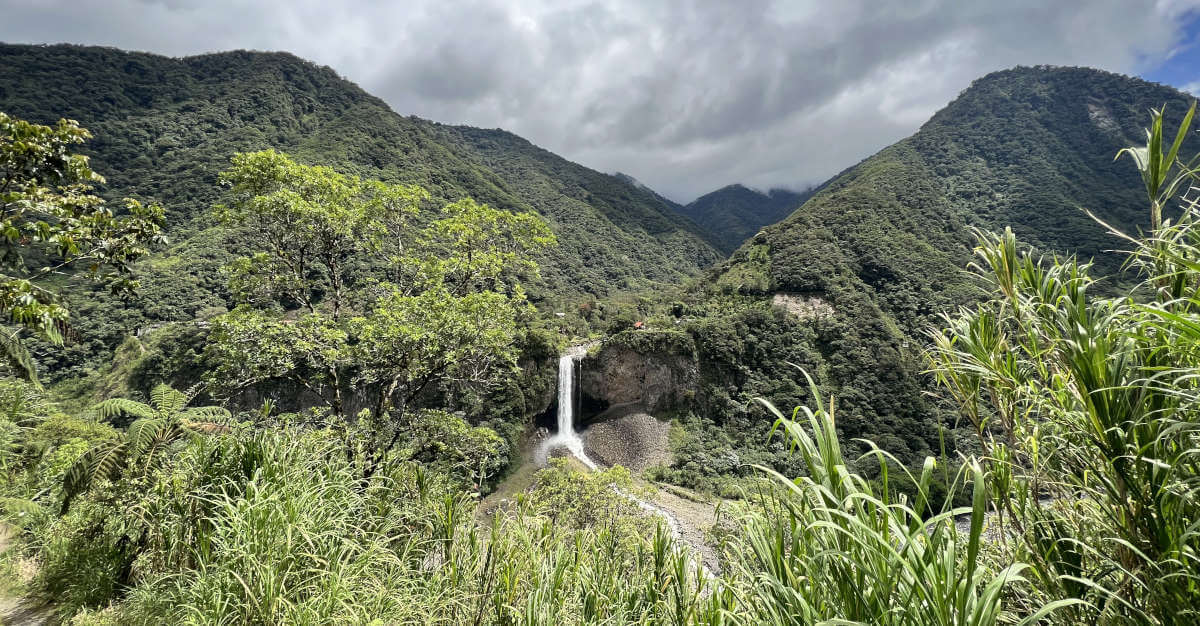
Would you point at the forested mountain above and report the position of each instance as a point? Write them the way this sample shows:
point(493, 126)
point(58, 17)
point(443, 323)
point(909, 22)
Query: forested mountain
point(329, 411)
point(735, 213)
point(1028, 148)
point(164, 128)
point(869, 262)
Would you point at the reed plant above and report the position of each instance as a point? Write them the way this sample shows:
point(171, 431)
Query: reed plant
point(1087, 409)
point(832, 547)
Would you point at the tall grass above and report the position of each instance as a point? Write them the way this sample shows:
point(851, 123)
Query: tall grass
point(300, 539)
point(831, 548)
point(1087, 410)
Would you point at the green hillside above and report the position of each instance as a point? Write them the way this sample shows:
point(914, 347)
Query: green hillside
point(327, 403)
point(735, 213)
point(878, 253)
point(1028, 148)
point(166, 127)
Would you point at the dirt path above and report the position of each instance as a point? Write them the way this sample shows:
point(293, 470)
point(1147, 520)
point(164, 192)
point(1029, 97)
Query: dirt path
point(694, 518)
point(20, 610)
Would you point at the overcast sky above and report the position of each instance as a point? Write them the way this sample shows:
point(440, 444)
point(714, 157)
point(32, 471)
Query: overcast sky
point(685, 96)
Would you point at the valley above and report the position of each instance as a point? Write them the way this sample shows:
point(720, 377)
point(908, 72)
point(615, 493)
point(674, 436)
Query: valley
point(334, 364)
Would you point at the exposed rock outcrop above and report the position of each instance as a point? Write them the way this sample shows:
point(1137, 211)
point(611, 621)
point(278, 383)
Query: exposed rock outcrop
point(655, 370)
point(803, 306)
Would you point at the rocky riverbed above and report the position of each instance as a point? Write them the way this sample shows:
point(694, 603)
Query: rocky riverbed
point(630, 437)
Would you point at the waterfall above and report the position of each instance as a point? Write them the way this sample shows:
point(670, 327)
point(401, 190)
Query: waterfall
point(566, 395)
point(566, 436)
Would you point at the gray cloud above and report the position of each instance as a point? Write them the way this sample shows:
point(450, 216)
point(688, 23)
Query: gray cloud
point(686, 96)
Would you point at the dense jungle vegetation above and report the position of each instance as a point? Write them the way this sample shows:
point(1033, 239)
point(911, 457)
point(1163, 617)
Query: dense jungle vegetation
point(359, 337)
point(1083, 405)
point(877, 253)
point(165, 128)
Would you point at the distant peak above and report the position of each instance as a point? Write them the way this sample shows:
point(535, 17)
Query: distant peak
point(734, 189)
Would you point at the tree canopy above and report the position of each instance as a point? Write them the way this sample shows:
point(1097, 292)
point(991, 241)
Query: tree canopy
point(444, 308)
point(53, 227)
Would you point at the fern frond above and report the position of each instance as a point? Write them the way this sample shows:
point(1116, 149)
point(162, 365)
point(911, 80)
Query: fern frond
point(17, 358)
point(205, 414)
point(101, 460)
point(123, 406)
point(150, 457)
point(168, 401)
point(145, 435)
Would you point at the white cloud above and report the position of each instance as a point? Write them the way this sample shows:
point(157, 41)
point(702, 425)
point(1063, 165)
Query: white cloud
point(686, 96)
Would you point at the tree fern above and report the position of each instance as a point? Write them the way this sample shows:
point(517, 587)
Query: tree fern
point(168, 401)
point(121, 406)
point(156, 426)
point(148, 435)
point(104, 460)
point(165, 403)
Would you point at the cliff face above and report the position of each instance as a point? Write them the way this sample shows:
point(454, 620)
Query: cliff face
point(538, 384)
point(656, 371)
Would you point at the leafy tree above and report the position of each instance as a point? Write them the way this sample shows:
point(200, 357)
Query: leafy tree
point(476, 247)
point(307, 224)
point(441, 440)
point(50, 218)
point(157, 425)
point(448, 313)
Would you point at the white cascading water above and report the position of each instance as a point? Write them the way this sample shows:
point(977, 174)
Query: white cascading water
point(566, 436)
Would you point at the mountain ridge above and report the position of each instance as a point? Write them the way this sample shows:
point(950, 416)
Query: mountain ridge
point(846, 286)
point(145, 82)
point(165, 127)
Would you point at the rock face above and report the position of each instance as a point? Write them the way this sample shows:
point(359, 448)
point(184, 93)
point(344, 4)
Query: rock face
point(803, 307)
point(656, 371)
point(537, 383)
